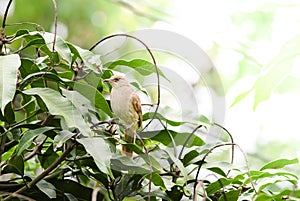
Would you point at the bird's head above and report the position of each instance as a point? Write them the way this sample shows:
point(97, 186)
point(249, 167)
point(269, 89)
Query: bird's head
point(116, 80)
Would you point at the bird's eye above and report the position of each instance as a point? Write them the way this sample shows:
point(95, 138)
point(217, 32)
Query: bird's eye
point(116, 79)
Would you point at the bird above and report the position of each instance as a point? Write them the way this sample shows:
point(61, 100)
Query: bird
point(126, 105)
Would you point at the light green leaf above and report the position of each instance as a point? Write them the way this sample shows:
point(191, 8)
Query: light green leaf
point(47, 188)
point(9, 65)
point(62, 137)
point(141, 66)
point(281, 163)
point(93, 95)
point(100, 151)
point(28, 136)
point(61, 106)
point(90, 60)
point(240, 97)
point(179, 164)
point(60, 45)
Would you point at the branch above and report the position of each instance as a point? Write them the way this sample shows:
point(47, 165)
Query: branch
point(209, 151)
point(43, 174)
point(55, 29)
point(5, 14)
point(154, 62)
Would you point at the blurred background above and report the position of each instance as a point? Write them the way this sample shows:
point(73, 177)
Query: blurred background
point(254, 44)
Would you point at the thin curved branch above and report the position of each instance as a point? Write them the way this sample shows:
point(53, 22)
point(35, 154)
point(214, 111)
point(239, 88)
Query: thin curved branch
point(215, 147)
point(188, 139)
point(154, 62)
point(150, 165)
point(5, 14)
point(232, 141)
point(55, 30)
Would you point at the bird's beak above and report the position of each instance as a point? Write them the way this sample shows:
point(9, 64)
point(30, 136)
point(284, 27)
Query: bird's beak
point(107, 80)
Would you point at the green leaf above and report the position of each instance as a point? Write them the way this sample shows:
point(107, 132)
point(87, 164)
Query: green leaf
point(60, 46)
point(9, 65)
point(47, 188)
point(99, 150)
point(179, 164)
point(240, 97)
point(217, 170)
point(163, 136)
point(28, 136)
point(141, 66)
point(15, 165)
point(94, 96)
point(281, 163)
point(158, 181)
point(90, 60)
point(123, 163)
point(46, 159)
point(218, 185)
point(190, 156)
point(149, 115)
point(59, 105)
point(62, 137)
point(231, 195)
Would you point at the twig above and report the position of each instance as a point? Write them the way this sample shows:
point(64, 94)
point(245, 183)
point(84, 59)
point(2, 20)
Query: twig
point(188, 139)
point(95, 193)
point(5, 14)
point(150, 165)
point(154, 62)
point(55, 30)
point(217, 146)
point(44, 173)
point(231, 139)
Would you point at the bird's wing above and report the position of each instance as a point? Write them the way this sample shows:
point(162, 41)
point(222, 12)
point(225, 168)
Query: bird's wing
point(136, 103)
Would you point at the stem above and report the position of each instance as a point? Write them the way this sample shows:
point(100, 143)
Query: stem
point(5, 14)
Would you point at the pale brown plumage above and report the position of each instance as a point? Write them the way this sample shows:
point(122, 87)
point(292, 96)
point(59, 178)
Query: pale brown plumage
point(126, 104)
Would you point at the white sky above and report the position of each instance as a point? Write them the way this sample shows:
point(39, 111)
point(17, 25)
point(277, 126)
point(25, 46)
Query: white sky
point(208, 22)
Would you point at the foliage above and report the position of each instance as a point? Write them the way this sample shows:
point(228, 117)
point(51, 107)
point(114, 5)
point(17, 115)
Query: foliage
point(58, 141)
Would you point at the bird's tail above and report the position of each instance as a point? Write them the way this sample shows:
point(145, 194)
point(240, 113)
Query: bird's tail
point(129, 136)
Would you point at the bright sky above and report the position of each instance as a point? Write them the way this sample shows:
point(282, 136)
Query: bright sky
point(209, 22)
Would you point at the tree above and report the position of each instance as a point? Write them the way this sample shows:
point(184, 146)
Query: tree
point(59, 141)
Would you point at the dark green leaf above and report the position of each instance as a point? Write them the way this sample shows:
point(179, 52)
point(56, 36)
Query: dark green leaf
point(218, 185)
point(28, 136)
point(232, 195)
point(163, 136)
point(217, 170)
point(15, 165)
point(48, 157)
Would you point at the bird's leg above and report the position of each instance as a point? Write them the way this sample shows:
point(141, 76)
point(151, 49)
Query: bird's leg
point(128, 127)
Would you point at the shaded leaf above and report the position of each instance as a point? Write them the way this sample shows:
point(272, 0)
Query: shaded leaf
point(163, 136)
point(9, 65)
point(47, 188)
point(15, 165)
point(231, 195)
point(218, 185)
point(28, 137)
point(62, 137)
